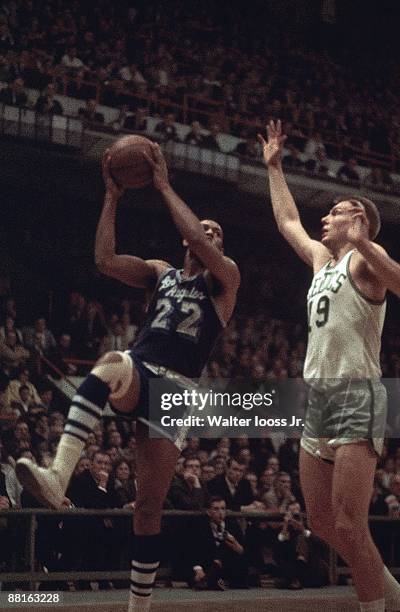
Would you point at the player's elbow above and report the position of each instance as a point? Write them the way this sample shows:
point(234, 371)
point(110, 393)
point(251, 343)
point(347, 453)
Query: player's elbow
point(103, 265)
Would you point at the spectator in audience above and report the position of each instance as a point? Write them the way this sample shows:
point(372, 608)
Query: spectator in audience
point(12, 354)
point(132, 74)
point(124, 484)
point(71, 61)
point(116, 339)
point(63, 351)
point(9, 485)
point(94, 549)
point(378, 177)
point(211, 140)
point(393, 499)
point(232, 486)
point(195, 136)
point(348, 171)
point(89, 113)
point(12, 391)
point(39, 338)
point(9, 325)
point(207, 473)
point(167, 129)
point(23, 407)
point(47, 104)
point(250, 148)
point(186, 491)
point(293, 159)
point(216, 552)
point(298, 554)
point(14, 94)
point(280, 496)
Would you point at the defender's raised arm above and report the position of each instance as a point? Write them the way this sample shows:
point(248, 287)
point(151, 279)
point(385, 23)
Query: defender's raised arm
point(283, 205)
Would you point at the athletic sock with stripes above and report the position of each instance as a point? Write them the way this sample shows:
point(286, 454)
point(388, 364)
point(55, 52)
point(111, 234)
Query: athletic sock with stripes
point(145, 563)
point(85, 412)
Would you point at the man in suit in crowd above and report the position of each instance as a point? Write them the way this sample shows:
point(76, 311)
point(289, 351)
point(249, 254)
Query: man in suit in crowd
point(232, 487)
point(217, 553)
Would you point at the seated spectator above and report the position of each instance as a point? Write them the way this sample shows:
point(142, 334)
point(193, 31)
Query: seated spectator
point(9, 325)
point(71, 61)
point(89, 541)
point(195, 136)
point(319, 165)
point(232, 486)
point(314, 145)
point(298, 554)
point(207, 473)
point(378, 177)
point(393, 499)
point(132, 74)
point(167, 129)
point(249, 148)
point(137, 122)
point(12, 354)
point(14, 94)
point(348, 171)
point(23, 407)
point(78, 87)
point(124, 484)
point(39, 338)
point(293, 159)
point(186, 491)
point(129, 330)
point(89, 113)
point(46, 104)
point(63, 351)
point(9, 485)
point(280, 496)
point(216, 553)
point(12, 391)
point(115, 340)
point(211, 140)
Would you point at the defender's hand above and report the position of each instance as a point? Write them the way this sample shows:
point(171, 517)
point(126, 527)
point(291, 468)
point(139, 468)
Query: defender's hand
point(112, 188)
point(272, 147)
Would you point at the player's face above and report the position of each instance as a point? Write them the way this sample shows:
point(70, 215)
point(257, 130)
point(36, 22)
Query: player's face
point(213, 232)
point(336, 224)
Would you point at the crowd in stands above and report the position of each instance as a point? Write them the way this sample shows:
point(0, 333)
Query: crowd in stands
point(162, 53)
point(240, 474)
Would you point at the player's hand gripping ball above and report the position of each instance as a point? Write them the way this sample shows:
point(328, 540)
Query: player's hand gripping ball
point(128, 167)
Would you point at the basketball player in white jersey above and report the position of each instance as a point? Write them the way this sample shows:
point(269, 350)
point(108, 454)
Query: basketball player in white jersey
point(346, 415)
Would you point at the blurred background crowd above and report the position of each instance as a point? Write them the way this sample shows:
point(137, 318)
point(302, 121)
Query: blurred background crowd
point(221, 71)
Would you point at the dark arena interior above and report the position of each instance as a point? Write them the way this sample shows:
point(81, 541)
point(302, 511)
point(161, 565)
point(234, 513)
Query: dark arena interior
point(202, 79)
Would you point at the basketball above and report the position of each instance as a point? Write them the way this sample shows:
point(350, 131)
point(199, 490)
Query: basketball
point(128, 166)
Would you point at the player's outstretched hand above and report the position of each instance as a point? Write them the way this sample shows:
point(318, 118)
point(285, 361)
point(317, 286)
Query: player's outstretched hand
point(111, 187)
point(272, 147)
point(159, 165)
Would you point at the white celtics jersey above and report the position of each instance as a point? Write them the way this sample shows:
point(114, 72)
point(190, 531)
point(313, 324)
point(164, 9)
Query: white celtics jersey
point(345, 327)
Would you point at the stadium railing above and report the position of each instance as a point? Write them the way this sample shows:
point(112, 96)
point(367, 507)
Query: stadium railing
point(34, 576)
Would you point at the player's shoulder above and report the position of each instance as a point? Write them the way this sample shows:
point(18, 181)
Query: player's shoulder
point(159, 266)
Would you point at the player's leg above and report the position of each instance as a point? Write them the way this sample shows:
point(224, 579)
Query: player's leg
point(155, 466)
point(114, 376)
point(353, 476)
point(316, 478)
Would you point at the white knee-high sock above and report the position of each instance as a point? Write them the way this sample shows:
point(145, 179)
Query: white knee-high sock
point(392, 591)
point(85, 412)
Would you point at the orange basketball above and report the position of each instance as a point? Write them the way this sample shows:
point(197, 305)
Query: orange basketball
point(129, 168)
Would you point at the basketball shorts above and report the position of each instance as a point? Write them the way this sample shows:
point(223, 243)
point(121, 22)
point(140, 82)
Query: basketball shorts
point(172, 382)
point(351, 412)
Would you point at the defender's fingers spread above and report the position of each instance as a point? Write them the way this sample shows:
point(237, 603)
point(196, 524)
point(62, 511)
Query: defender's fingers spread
point(261, 139)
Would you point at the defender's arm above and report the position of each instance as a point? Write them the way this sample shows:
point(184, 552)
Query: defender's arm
point(283, 205)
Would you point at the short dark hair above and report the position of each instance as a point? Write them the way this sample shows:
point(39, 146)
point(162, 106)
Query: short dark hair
point(371, 210)
point(214, 498)
point(191, 458)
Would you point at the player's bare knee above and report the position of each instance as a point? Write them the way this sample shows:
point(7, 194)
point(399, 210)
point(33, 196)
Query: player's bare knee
point(116, 370)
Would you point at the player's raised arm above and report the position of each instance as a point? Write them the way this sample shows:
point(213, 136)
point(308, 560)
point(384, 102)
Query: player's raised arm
point(128, 269)
point(283, 204)
point(190, 228)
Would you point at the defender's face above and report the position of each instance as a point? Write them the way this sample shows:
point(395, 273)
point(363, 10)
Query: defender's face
point(336, 224)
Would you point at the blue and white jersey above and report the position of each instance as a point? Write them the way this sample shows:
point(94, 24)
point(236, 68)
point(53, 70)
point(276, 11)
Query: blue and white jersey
point(182, 324)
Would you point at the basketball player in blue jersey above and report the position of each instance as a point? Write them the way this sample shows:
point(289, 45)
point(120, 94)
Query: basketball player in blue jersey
point(346, 414)
point(187, 311)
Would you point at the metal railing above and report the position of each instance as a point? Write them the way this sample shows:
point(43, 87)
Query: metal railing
point(33, 576)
